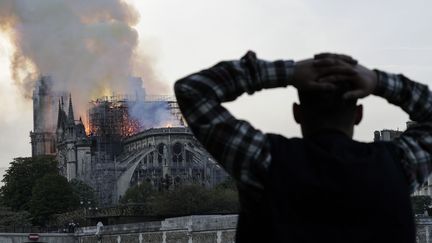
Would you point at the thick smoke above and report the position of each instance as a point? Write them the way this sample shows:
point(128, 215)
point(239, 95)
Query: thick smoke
point(87, 47)
point(149, 113)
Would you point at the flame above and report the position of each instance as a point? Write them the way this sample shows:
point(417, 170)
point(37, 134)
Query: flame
point(112, 118)
point(106, 91)
point(87, 128)
point(129, 126)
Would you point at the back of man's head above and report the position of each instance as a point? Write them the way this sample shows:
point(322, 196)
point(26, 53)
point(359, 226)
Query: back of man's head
point(326, 109)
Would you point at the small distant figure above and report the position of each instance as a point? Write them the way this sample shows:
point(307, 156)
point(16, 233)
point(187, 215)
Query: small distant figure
point(76, 227)
point(324, 187)
point(98, 233)
point(71, 227)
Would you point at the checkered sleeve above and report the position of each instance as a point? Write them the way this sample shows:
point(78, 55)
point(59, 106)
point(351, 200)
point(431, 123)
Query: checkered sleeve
point(416, 142)
point(241, 149)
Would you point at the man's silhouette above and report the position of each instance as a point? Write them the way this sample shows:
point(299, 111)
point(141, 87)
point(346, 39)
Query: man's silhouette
point(324, 187)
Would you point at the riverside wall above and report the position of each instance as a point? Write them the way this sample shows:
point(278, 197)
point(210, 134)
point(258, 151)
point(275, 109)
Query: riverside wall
point(43, 237)
point(188, 229)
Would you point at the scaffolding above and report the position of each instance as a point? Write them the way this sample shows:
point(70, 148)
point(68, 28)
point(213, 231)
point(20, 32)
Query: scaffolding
point(176, 113)
point(109, 116)
point(109, 123)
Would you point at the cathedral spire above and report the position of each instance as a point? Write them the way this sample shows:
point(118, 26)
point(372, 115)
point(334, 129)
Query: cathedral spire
point(59, 116)
point(70, 113)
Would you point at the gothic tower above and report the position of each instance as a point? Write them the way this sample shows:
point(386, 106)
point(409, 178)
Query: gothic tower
point(42, 137)
point(71, 165)
point(73, 145)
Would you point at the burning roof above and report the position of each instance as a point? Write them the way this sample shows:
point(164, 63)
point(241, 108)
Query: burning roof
point(123, 116)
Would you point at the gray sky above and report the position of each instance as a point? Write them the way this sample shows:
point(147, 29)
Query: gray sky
point(185, 36)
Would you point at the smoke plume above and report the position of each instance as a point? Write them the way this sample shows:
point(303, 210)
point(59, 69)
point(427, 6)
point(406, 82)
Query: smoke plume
point(89, 48)
point(149, 114)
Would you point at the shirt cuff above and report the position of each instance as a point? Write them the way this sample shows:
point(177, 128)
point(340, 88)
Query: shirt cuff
point(281, 74)
point(388, 85)
point(272, 74)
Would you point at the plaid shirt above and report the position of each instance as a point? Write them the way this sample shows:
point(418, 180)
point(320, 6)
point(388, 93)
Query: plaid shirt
point(244, 151)
point(415, 143)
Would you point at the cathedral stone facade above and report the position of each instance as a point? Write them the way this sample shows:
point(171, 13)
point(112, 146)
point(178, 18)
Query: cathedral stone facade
point(165, 157)
point(73, 145)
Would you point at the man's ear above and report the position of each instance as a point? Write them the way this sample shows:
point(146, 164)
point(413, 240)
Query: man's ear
point(358, 114)
point(298, 116)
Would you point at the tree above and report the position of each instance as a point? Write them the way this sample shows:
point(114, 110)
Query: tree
point(11, 218)
point(228, 183)
point(142, 193)
point(20, 178)
point(184, 200)
point(224, 200)
point(83, 192)
point(52, 194)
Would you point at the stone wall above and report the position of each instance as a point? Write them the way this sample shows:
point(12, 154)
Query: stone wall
point(424, 230)
point(189, 229)
point(43, 237)
point(193, 229)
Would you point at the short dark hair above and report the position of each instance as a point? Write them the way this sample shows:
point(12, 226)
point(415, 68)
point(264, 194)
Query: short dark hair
point(327, 106)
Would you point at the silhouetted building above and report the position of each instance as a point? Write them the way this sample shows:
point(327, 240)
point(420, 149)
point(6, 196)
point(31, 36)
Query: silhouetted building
point(389, 135)
point(386, 135)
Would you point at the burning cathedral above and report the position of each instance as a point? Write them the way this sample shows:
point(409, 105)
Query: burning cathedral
point(122, 142)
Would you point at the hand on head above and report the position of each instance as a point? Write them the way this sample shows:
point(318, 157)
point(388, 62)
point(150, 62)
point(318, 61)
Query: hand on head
point(328, 71)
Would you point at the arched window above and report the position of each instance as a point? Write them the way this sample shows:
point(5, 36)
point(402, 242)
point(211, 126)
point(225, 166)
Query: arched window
point(177, 153)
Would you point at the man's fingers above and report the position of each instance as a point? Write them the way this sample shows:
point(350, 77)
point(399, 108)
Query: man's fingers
point(354, 94)
point(326, 62)
point(336, 79)
point(324, 55)
point(337, 70)
point(318, 86)
point(343, 57)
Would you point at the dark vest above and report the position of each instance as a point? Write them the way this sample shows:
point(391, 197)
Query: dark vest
point(329, 188)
